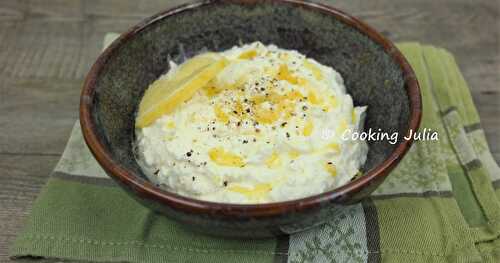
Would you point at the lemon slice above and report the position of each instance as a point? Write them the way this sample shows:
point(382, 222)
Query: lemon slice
point(165, 94)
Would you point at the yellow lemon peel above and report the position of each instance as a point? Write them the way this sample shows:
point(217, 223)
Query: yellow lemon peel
point(331, 169)
point(273, 161)
point(224, 158)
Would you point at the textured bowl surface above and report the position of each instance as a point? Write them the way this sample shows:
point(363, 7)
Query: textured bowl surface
point(375, 74)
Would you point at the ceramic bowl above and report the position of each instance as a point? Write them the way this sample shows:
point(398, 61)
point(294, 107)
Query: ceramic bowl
point(375, 73)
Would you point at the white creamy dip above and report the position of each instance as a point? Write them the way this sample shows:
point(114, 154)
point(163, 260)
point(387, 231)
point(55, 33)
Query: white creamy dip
point(267, 128)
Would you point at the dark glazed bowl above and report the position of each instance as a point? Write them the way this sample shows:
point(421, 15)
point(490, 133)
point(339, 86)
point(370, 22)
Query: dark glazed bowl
point(375, 72)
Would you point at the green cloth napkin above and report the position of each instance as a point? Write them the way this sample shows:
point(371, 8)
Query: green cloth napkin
point(441, 204)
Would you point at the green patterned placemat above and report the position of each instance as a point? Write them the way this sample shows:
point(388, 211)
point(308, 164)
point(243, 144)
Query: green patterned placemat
point(439, 205)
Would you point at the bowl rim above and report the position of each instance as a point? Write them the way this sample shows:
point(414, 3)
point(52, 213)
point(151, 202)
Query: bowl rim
point(146, 189)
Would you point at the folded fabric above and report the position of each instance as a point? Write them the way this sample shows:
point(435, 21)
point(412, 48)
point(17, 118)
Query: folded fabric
point(441, 204)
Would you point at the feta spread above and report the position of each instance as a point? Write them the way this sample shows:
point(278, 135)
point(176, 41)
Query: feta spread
point(267, 128)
